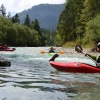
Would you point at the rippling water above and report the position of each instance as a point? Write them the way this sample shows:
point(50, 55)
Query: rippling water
point(30, 77)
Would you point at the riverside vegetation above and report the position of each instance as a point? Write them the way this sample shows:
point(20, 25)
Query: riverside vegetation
point(78, 22)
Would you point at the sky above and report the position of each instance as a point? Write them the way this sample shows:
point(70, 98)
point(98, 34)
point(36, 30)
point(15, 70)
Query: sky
point(20, 5)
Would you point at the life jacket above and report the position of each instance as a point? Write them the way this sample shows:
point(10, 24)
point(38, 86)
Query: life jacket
point(51, 51)
point(98, 59)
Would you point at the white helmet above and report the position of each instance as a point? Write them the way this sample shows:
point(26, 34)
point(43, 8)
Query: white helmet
point(98, 45)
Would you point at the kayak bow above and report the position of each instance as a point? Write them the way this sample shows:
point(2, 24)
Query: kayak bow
point(7, 49)
point(73, 67)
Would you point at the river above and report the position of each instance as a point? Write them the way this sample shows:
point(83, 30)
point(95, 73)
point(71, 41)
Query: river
point(31, 77)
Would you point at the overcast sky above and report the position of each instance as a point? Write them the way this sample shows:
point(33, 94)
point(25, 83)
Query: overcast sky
point(20, 5)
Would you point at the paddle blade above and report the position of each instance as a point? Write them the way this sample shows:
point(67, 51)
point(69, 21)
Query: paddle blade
point(78, 48)
point(61, 52)
point(42, 52)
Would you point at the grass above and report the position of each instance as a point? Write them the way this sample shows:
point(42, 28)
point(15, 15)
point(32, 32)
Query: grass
point(72, 44)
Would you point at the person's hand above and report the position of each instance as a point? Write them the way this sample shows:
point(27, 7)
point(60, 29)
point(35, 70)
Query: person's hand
point(98, 65)
point(85, 54)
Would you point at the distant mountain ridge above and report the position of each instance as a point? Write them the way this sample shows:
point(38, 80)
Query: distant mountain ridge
point(47, 14)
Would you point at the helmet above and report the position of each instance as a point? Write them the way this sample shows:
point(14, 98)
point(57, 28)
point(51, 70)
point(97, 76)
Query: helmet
point(51, 47)
point(98, 45)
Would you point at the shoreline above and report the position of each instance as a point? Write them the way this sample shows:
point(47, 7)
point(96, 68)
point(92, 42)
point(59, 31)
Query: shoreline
point(72, 51)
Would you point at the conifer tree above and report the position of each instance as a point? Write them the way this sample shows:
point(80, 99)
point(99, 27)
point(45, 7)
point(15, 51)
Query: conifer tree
point(15, 19)
point(27, 21)
point(3, 10)
point(35, 25)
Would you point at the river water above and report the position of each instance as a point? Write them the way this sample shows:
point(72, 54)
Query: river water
point(31, 77)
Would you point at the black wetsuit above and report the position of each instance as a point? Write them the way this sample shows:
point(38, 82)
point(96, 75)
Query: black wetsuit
point(51, 51)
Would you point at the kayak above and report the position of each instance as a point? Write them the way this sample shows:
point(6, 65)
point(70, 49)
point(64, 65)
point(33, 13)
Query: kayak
point(73, 67)
point(7, 49)
point(51, 54)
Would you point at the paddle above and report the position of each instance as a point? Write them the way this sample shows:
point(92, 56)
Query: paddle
point(43, 52)
point(79, 49)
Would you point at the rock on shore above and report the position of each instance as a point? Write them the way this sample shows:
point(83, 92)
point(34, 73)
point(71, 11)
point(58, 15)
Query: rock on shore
point(4, 62)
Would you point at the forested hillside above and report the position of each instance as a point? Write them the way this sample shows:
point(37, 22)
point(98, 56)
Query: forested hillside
point(29, 33)
point(30, 30)
point(46, 14)
point(79, 22)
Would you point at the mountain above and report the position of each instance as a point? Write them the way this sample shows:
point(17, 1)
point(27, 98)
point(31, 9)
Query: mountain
point(47, 14)
point(13, 14)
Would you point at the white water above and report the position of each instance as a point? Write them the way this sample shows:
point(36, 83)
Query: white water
point(31, 77)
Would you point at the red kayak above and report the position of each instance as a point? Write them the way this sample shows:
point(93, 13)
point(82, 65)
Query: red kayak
point(73, 67)
point(7, 49)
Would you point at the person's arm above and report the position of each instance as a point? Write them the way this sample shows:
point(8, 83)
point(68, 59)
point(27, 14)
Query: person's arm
point(91, 56)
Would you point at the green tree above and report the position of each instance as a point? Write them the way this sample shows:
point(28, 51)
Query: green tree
point(9, 15)
point(69, 20)
point(11, 32)
point(3, 10)
point(35, 25)
point(15, 19)
point(16, 34)
point(91, 9)
point(93, 31)
point(27, 21)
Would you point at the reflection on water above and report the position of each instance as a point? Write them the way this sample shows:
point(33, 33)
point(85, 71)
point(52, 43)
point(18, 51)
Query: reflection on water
point(31, 77)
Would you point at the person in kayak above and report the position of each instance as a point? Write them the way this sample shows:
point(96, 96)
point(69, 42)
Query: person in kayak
point(51, 50)
point(96, 58)
point(1, 46)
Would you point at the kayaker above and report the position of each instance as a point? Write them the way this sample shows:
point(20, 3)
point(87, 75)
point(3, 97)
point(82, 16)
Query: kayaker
point(51, 50)
point(1, 46)
point(6, 46)
point(96, 58)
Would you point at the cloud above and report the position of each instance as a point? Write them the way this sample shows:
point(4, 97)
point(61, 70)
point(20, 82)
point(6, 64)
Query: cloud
point(20, 5)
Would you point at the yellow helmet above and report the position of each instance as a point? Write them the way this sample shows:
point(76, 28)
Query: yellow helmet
point(51, 47)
